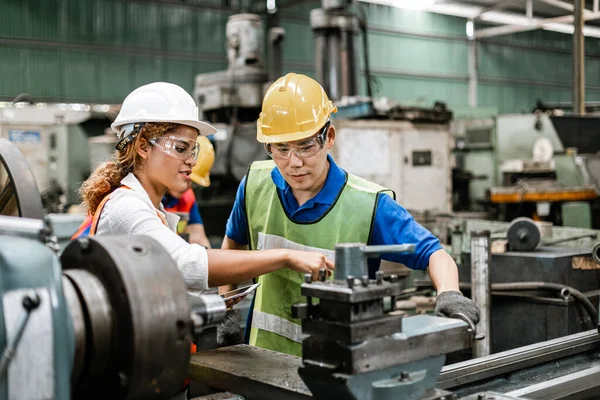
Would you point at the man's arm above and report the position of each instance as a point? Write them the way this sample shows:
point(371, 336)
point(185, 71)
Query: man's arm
point(198, 235)
point(394, 225)
point(236, 231)
point(443, 271)
point(195, 227)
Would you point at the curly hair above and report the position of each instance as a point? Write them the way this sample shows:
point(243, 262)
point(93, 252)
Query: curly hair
point(107, 177)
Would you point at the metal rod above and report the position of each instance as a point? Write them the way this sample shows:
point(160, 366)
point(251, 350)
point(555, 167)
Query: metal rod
point(529, 10)
point(472, 62)
point(474, 370)
point(558, 4)
point(596, 9)
point(499, 6)
point(563, 387)
point(394, 248)
point(480, 288)
point(578, 59)
point(539, 23)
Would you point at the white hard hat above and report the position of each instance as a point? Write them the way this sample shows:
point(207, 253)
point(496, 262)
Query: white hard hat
point(160, 102)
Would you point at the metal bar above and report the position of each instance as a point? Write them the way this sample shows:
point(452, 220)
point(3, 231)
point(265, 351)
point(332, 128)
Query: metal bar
point(579, 59)
point(508, 29)
point(529, 10)
point(385, 249)
point(472, 62)
point(562, 387)
point(480, 289)
point(558, 4)
point(498, 6)
point(502, 363)
point(596, 8)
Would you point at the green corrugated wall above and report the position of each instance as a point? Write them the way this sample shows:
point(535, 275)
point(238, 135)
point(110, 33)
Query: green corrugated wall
point(98, 51)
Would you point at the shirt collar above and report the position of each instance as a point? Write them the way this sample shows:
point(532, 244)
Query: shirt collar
point(132, 182)
point(334, 183)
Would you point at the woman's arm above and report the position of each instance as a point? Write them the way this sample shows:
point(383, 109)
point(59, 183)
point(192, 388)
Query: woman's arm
point(232, 266)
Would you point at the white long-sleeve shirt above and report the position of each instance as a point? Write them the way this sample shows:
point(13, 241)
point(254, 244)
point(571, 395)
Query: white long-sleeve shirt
point(130, 212)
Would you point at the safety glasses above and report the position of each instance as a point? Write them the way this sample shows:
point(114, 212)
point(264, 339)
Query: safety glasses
point(303, 148)
point(178, 147)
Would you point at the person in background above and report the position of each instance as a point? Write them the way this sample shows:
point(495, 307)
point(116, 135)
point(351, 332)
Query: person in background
point(185, 202)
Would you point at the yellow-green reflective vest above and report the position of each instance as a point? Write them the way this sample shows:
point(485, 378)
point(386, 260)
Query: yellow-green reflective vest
point(348, 220)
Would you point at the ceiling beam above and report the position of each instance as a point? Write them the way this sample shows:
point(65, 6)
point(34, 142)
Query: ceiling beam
point(537, 24)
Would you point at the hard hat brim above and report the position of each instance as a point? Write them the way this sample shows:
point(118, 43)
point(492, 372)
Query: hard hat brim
point(203, 128)
point(286, 137)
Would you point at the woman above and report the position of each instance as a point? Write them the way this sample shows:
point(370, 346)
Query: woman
point(157, 129)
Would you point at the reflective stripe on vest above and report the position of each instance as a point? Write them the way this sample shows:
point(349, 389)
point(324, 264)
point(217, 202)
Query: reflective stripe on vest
point(349, 219)
point(278, 325)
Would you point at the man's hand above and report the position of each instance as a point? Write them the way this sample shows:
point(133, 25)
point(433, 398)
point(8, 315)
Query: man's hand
point(452, 302)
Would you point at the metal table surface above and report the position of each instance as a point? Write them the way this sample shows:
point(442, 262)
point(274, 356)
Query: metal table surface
point(250, 372)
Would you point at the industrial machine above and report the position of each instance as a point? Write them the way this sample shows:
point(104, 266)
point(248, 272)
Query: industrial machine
point(396, 145)
point(231, 100)
point(53, 139)
point(534, 165)
point(93, 324)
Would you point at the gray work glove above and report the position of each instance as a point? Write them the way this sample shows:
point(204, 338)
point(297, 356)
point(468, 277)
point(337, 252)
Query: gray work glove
point(453, 302)
point(229, 332)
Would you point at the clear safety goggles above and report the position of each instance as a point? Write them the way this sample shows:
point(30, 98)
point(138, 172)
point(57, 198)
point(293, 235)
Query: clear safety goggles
point(304, 148)
point(178, 147)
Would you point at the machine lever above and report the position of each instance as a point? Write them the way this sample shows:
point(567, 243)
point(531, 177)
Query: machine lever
point(463, 317)
point(30, 303)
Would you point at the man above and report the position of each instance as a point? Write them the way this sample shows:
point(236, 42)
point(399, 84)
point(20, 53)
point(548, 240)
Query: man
point(185, 202)
point(303, 200)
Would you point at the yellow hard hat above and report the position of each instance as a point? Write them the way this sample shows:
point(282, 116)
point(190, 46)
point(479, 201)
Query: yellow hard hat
point(295, 107)
point(206, 159)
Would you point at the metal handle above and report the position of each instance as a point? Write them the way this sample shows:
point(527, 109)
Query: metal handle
point(463, 317)
point(30, 303)
point(376, 251)
point(351, 258)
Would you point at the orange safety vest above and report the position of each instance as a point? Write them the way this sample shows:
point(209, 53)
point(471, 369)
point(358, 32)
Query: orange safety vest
point(185, 203)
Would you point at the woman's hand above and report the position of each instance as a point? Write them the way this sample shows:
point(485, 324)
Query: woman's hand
point(309, 263)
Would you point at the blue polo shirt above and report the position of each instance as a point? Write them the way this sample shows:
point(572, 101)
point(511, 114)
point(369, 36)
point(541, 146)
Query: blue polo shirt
point(393, 224)
point(169, 201)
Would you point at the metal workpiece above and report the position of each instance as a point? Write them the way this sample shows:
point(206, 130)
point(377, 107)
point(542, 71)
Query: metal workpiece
point(481, 259)
point(138, 313)
point(19, 193)
point(207, 311)
point(250, 372)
